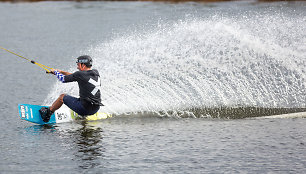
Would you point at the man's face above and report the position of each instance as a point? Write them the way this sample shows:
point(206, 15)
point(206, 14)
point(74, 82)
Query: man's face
point(80, 66)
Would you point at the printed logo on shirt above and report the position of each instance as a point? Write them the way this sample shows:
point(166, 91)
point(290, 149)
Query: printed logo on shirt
point(97, 85)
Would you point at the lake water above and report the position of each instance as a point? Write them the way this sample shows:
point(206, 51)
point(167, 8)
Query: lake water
point(183, 80)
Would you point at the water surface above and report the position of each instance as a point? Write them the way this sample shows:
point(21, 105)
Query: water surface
point(175, 76)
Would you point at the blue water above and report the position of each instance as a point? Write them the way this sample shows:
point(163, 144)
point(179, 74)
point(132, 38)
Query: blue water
point(175, 75)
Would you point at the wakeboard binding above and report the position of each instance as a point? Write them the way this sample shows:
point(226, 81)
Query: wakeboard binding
point(45, 114)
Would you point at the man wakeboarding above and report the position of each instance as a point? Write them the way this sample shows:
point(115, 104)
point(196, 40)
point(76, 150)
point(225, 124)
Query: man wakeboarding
point(89, 100)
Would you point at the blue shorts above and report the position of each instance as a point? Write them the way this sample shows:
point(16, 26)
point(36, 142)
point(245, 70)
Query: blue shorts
point(75, 104)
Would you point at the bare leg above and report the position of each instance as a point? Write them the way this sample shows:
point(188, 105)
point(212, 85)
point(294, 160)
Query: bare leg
point(58, 103)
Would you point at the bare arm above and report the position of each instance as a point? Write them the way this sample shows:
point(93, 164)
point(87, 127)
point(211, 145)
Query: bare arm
point(62, 72)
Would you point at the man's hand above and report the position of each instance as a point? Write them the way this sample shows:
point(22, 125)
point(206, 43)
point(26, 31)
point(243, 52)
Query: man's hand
point(53, 71)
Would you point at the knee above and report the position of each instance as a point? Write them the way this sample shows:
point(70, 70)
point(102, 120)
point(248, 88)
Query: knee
point(61, 97)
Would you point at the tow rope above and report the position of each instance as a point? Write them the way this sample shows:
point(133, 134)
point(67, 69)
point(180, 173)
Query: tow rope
point(48, 69)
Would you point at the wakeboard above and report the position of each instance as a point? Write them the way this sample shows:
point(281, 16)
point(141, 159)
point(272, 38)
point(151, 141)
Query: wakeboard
point(31, 113)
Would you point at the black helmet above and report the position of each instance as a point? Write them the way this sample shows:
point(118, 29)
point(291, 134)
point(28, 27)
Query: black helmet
point(87, 60)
